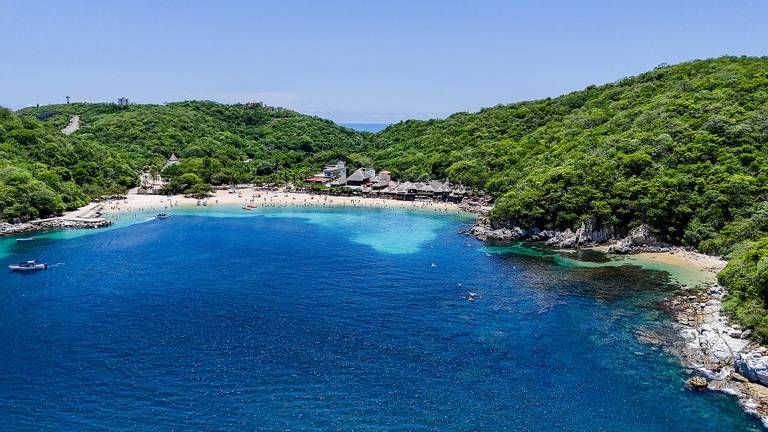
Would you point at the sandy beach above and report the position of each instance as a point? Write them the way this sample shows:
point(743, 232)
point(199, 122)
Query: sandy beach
point(707, 266)
point(266, 199)
point(678, 257)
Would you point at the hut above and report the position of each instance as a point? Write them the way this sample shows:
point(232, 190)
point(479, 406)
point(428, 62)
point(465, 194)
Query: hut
point(173, 160)
point(361, 176)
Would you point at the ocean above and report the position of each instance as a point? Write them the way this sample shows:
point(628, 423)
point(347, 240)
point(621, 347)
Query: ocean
point(333, 319)
point(366, 127)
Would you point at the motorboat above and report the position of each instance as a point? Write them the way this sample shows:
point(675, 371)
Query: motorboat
point(25, 239)
point(28, 266)
point(162, 216)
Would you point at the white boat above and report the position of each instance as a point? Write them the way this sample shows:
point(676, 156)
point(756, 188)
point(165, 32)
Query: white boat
point(27, 239)
point(162, 216)
point(28, 266)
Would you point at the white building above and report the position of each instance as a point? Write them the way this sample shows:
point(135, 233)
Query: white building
point(337, 171)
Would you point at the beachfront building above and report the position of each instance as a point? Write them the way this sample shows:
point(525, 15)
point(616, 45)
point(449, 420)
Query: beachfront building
point(332, 175)
point(363, 176)
point(364, 181)
point(335, 172)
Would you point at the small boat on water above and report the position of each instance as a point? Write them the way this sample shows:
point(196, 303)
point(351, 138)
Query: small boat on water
point(25, 239)
point(162, 216)
point(246, 208)
point(28, 266)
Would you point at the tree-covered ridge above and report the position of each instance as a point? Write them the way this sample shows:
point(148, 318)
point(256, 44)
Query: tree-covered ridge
point(683, 148)
point(680, 147)
point(44, 172)
point(220, 143)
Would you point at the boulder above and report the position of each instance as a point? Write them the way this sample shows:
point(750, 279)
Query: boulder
point(698, 383)
point(753, 366)
point(505, 234)
point(560, 237)
point(638, 237)
point(543, 235)
point(589, 233)
point(484, 231)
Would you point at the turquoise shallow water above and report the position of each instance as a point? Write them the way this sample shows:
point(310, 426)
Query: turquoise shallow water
point(332, 319)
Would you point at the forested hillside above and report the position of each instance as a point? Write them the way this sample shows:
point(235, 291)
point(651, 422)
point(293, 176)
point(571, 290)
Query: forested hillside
point(43, 172)
point(212, 140)
point(683, 148)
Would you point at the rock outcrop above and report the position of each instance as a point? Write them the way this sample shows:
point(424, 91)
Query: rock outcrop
point(640, 239)
point(588, 234)
point(483, 232)
point(697, 383)
point(53, 223)
point(752, 366)
point(719, 351)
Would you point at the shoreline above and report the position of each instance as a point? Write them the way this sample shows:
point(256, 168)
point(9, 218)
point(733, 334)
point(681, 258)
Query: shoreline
point(86, 217)
point(706, 341)
point(269, 199)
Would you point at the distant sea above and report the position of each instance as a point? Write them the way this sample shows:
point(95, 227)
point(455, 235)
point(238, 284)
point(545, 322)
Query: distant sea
point(366, 127)
point(333, 320)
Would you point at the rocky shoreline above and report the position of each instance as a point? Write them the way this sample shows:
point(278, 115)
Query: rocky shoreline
point(92, 219)
point(639, 239)
point(721, 354)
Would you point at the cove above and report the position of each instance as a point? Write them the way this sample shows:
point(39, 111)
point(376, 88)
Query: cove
point(333, 319)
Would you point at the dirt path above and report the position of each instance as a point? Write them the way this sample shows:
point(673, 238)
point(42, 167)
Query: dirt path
point(73, 126)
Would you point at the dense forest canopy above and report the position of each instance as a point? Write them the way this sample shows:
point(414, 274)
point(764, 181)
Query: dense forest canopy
point(683, 148)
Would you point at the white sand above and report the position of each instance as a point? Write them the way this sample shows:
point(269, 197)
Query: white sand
point(683, 263)
point(248, 196)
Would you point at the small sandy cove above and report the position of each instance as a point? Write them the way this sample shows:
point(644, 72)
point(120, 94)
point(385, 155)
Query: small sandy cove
point(679, 257)
point(260, 198)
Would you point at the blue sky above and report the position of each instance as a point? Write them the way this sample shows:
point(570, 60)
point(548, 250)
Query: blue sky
point(354, 61)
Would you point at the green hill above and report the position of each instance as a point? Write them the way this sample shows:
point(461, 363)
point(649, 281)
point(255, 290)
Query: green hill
point(683, 148)
point(42, 171)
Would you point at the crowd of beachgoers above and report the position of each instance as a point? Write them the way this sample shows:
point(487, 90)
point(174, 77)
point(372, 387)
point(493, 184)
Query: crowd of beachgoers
point(250, 199)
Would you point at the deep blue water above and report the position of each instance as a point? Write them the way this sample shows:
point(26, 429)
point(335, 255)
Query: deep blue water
point(332, 320)
point(366, 127)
